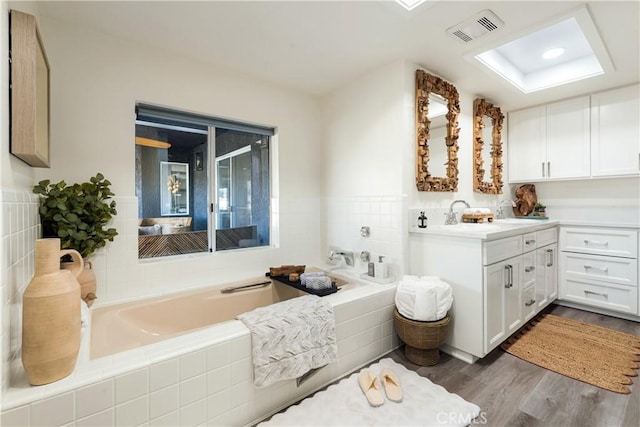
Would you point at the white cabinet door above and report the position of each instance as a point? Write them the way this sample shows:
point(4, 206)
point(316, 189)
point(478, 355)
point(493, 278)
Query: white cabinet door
point(526, 149)
point(496, 276)
point(568, 141)
point(546, 275)
point(512, 311)
point(615, 132)
point(503, 314)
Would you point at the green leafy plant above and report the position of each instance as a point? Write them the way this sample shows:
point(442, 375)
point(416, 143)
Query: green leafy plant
point(539, 207)
point(77, 213)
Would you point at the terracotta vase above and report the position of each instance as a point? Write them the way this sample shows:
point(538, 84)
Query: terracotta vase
point(51, 315)
point(87, 280)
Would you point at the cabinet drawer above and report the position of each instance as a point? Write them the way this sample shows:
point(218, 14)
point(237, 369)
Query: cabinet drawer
point(498, 250)
point(529, 306)
point(528, 269)
point(623, 271)
point(600, 241)
point(546, 237)
point(529, 242)
point(610, 297)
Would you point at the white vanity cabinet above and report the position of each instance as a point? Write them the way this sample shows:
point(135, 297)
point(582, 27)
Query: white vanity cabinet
point(550, 142)
point(498, 282)
point(615, 132)
point(599, 268)
point(502, 285)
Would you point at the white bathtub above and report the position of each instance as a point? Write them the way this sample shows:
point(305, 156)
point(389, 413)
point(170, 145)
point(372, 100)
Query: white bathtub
point(192, 365)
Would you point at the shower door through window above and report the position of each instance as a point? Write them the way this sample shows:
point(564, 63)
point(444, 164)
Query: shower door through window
point(234, 189)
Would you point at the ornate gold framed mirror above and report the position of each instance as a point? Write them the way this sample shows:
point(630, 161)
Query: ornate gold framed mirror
point(487, 159)
point(437, 110)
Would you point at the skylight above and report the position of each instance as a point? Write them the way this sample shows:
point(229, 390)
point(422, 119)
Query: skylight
point(564, 52)
point(410, 4)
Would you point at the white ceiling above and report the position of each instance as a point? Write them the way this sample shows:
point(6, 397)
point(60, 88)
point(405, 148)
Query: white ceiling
point(317, 46)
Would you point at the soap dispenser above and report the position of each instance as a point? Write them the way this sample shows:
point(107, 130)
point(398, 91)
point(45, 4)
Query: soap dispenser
point(422, 220)
point(380, 269)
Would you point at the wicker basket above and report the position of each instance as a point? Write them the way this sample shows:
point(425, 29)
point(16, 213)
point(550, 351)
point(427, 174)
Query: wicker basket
point(421, 339)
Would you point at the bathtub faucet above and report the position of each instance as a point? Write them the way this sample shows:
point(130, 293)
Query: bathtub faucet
point(335, 254)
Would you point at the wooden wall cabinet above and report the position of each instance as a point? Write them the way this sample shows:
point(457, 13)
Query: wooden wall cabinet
point(29, 92)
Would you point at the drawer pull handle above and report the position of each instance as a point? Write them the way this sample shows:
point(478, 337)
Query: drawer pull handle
point(530, 242)
point(596, 293)
point(530, 302)
point(550, 252)
point(588, 242)
point(603, 269)
point(529, 269)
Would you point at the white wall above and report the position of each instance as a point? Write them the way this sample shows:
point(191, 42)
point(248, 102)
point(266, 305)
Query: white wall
point(14, 173)
point(364, 138)
point(95, 82)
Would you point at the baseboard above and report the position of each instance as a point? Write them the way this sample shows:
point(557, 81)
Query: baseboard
point(597, 310)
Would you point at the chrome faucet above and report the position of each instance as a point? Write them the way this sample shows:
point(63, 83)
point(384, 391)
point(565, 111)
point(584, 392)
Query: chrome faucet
point(500, 210)
point(335, 254)
point(451, 215)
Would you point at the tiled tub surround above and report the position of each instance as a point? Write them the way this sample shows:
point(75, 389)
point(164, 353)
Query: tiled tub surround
point(201, 378)
point(20, 226)
point(344, 216)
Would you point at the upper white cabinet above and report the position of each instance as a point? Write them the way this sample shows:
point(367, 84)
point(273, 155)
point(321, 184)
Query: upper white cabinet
point(527, 144)
point(550, 142)
point(615, 132)
point(586, 137)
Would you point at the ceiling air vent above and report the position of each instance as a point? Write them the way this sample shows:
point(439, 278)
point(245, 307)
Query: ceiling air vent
point(477, 26)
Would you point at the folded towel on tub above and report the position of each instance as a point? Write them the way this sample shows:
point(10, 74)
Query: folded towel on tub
point(290, 338)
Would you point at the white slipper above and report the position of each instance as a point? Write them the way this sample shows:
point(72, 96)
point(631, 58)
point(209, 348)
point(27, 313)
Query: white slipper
point(370, 387)
point(391, 385)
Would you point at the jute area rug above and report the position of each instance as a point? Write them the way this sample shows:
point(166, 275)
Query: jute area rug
point(595, 355)
point(344, 404)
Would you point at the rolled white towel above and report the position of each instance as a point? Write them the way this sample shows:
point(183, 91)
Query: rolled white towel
point(424, 299)
point(476, 211)
point(318, 282)
point(305, 276)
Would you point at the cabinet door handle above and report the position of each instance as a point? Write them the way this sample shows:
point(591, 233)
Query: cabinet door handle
point(596, 293)
point(530, 302)
point(549, 169)
point(530, 242)
point(543, 175)
point(550, 253)
point(509, 281)
point(529, 269)
point(588, 242)
point(591, 267)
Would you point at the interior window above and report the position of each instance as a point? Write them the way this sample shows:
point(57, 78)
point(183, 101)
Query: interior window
point(202, 183)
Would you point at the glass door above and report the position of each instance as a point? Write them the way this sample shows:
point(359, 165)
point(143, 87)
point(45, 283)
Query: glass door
point(233, 183)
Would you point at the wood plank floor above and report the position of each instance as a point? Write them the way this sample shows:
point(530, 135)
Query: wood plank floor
point(512, 392)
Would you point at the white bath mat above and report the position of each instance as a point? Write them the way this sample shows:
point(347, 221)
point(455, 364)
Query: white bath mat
point(344, 404)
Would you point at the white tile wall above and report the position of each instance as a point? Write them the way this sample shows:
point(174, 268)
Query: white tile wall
point(19, 228)
point(384, 215)
point(212, 385)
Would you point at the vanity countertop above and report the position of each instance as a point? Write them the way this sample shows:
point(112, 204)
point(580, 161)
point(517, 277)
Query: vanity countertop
point(509, 227)
point(486, 231)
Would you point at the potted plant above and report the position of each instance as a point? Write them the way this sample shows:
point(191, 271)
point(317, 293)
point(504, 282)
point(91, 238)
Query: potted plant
point(539, 209)
point(78, 214)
